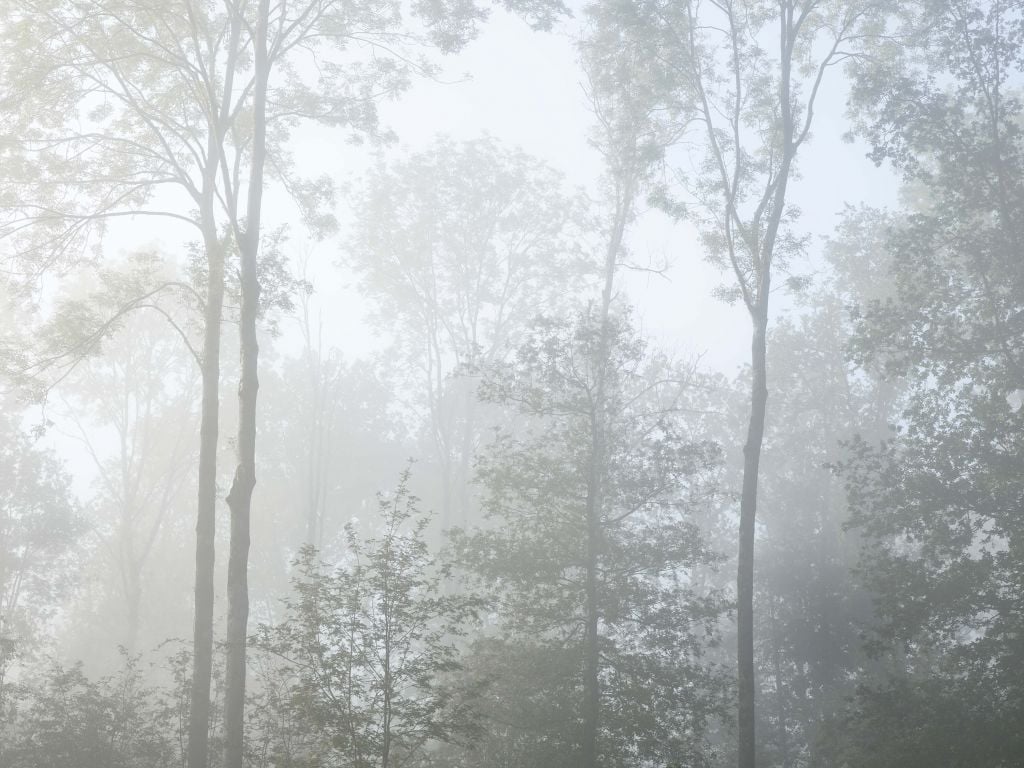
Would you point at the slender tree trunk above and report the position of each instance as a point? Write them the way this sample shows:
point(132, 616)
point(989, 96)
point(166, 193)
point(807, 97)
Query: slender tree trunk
point(747, 682)
point(591, 650)
point(745, 566)
point(758, 404)
point(240, 495)
point(133, 599)
point(591, 637)
point(468, 396)
point(202, 643)
point(239, 503)
point(385, 755)
point(314, 455)
point(206, 505)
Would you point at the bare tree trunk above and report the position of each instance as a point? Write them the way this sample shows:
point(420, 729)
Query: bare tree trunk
point(239, 503)
point(202, 643)
point(206, 506)
point(385, 754)
point(759, 400)
point(591, 649)
point(240, 495)
point(133, 605)
point(314, 454)
point(745, 566)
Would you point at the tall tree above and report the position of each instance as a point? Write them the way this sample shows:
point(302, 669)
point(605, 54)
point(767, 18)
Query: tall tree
point(239, 498)
point(811, 607)
point(753, 101)
point(939, 503)
point(369, 648)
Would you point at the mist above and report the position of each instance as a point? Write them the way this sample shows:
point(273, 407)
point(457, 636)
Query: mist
point(533, 384)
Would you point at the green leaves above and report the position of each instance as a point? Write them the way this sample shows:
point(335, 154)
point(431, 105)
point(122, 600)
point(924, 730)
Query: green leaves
point(38, 526)
point(939, 503)
point(362, 664)
point(532, 554)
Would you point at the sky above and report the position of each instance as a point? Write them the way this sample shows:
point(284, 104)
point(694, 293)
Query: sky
point(525, 89)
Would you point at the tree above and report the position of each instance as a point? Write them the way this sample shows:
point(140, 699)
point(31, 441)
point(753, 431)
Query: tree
point(754, 106)
point(588, 561)
point(39, 523)
point(938, 503)
point(330, 440)
point(811, 606)
point(458, 247)
point(367, 648)
point(131, 411)
point(66, 720)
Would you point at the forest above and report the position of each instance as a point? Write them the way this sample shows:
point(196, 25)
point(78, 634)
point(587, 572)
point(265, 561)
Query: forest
point(511, 384)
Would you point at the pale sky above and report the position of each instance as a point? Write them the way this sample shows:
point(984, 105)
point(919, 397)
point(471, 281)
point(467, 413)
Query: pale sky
point(524, 88)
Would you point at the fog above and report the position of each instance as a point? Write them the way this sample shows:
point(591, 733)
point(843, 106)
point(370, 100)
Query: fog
point(614, 384)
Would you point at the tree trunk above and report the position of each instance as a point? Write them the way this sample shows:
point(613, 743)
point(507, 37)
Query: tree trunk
point(385, 754)
point(206, 506)
point(240, 503)
point(758, 409)
point(133, 604)
point(591, 651)
point(468, 397)
point(745, 566)
point(314, 454)
point(240, 496)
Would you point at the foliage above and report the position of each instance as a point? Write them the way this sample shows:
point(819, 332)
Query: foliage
point(725, 112)
point(329, 442)
point(464, 242)
point(656, 694)
point(105, 104)
point(924, 722)
point(356, 673)
point(66, 720)
point(457, 247)
point(939, 503)
point(811, 607)
point(39, 524)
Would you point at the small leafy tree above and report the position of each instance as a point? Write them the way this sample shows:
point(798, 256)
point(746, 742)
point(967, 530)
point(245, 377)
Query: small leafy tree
point(355, 674)
point(38, 527)
point(64, 719)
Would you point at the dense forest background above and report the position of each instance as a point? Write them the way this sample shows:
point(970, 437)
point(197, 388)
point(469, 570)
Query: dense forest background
point(623, 383)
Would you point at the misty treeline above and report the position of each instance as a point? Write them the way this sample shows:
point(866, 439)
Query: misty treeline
point(519, 531)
